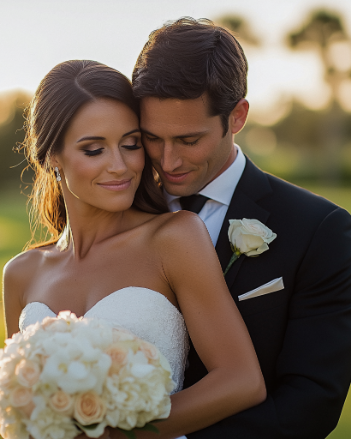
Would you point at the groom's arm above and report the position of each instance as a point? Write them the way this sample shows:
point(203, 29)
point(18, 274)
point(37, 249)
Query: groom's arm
point(314, 366)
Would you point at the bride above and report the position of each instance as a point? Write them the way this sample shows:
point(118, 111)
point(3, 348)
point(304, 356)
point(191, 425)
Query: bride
point(115, 252)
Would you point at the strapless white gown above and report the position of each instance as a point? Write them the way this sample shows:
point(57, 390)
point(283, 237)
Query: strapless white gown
point(146, 313)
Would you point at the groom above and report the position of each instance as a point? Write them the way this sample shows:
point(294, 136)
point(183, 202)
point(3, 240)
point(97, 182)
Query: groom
point(296, 297)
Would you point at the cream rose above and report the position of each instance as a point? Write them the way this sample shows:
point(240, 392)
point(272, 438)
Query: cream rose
point(89, 408)
point(249, 236)
point(61, 402)
point(119, 357)
point(20, 396)
point(27, 373)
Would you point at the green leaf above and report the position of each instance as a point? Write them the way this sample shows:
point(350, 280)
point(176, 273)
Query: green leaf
point(90, 427)
point(86, 427)
point(149, 427)
point(129, 433)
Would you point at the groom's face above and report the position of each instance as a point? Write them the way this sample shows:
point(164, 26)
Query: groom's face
point(185, 143)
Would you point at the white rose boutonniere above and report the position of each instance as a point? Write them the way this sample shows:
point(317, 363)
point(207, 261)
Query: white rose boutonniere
point(249, 237)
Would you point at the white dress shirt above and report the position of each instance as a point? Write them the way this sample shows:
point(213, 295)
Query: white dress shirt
point(220, 192)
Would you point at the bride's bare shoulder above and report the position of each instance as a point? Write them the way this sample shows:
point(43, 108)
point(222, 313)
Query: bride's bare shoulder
point(181, 227)
point(22, 267)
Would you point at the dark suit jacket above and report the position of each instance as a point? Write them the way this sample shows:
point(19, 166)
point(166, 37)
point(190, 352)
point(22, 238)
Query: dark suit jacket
point(302, 334)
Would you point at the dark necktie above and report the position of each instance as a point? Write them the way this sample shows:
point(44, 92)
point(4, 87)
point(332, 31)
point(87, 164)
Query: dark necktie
point(194, 203)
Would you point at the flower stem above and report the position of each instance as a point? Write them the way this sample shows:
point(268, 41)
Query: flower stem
point(234, 257)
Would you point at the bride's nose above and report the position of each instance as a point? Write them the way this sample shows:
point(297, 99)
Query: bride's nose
point(116, 163)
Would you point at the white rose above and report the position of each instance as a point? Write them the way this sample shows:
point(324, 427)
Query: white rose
point(249, 236)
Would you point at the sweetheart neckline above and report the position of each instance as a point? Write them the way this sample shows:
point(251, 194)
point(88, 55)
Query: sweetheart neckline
point(114, 292)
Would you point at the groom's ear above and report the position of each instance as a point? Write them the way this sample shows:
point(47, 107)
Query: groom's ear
point(238, 116)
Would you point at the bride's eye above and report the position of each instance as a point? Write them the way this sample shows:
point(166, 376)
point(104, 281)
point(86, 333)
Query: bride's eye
point(132, 147)
point(93, 152)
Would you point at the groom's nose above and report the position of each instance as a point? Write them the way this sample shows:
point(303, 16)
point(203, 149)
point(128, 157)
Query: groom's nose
point(170, 159)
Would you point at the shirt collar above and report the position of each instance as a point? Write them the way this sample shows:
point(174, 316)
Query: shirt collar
point(222, 188)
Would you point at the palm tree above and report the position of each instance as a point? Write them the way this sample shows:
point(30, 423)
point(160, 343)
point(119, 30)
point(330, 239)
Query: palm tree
point(240, 27)
point(319, 32)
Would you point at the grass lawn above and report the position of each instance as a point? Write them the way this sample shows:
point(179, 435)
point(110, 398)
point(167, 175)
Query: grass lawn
point(14, 233)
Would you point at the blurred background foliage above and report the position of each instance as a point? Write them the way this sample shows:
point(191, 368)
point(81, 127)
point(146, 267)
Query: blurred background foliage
point(299, 143)
point(306, 143)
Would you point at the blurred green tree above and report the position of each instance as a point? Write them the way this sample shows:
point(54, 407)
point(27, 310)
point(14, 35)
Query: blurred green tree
point(12, 133)
point(240, 28)
point(323, 31)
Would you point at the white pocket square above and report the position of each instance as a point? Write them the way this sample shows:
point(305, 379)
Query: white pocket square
point(270, 287)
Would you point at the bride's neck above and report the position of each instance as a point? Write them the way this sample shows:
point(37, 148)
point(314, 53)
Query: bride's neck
point(86, 229)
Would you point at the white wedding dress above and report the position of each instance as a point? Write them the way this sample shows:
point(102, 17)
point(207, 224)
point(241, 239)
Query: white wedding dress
point(146, 313)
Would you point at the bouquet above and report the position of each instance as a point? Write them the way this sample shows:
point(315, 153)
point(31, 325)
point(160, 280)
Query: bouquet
point(67, 375)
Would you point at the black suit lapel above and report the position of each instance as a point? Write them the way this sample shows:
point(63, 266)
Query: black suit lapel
point(252, 187)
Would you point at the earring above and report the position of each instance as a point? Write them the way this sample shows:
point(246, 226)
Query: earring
point(57, 172)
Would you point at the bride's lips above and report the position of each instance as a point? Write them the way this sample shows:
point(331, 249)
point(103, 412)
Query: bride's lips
point(175, 178)
point(116, 185)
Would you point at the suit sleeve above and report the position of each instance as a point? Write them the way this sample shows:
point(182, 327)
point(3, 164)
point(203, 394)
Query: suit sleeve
point(314, 366)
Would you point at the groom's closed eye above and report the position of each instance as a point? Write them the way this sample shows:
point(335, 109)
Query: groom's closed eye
point(188, 141)
point(150, 139)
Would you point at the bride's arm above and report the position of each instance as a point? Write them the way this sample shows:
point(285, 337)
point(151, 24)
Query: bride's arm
point(16, 275)
point(234, 382)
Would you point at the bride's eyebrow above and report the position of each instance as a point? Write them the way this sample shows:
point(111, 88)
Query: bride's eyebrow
point(137, 130)
point(82, 139)
point(90, 138)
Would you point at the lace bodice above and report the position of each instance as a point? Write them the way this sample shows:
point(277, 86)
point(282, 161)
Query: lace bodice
point(146, 313)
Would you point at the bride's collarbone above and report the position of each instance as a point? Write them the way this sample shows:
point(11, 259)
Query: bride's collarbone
point(78, 286)
point(65, 282)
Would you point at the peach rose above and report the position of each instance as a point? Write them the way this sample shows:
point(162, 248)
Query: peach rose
point(20, 396)
point(89, 408)
point(62, 402)
point(119, 355)
point(27, 373)
point(150, 351)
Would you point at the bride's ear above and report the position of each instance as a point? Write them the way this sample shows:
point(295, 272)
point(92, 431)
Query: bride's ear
point(54, 162)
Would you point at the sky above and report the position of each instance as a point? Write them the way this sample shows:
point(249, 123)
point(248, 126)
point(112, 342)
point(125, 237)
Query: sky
point(36, 35)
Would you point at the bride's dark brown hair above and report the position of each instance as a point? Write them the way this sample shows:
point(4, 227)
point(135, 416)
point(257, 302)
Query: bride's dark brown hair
point(60, 94)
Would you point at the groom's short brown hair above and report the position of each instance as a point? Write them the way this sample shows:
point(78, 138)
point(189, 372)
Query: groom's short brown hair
point(187, 58)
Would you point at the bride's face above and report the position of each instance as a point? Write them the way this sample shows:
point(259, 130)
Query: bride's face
point(102, 158)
